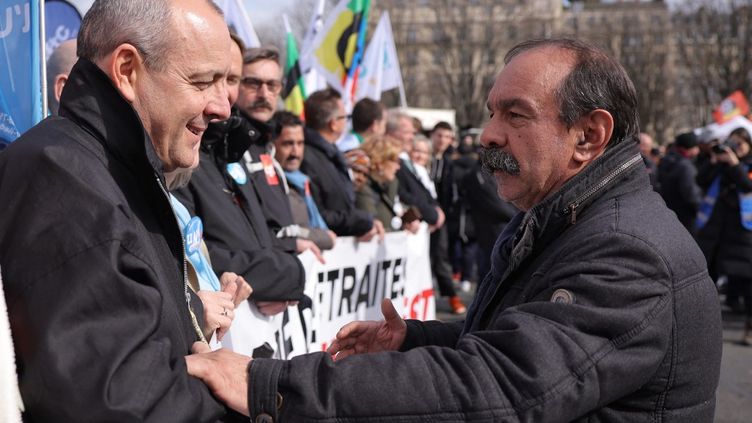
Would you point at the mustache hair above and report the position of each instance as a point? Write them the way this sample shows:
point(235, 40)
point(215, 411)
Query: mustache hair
point(291, 157)
point(261, 102)
point(494, 159)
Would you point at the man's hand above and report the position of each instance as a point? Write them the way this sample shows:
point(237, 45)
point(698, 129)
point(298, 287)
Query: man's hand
point(439, 222)
point(270, 308)
point(243, 289)
point(370, 336)
point(377, 230)
point(224, 372)
point(304, 244)
point(219, 310)
point(728, 156)
point(333, 236)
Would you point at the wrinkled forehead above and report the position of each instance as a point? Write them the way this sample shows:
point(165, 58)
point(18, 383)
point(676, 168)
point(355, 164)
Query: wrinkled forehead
point(532, 78)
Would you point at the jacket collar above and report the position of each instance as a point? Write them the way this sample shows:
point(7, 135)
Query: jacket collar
point(91, 101)
point(545, 221)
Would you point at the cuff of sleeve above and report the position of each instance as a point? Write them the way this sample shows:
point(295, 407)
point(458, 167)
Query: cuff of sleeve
point(414, 337)
point(263, 377)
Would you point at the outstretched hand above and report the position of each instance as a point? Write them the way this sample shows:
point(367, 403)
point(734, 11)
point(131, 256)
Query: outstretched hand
point(370, 336)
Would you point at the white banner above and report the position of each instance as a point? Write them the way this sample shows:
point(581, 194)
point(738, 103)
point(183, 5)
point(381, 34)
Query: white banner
point(350, 286)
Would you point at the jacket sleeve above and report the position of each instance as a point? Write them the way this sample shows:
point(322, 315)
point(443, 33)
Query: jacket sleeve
point(412, 193)
point(101, 306)
point(346, 221)
point(740, 176)
point(540, 361)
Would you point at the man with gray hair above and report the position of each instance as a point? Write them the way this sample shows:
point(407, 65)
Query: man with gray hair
point(92, 257)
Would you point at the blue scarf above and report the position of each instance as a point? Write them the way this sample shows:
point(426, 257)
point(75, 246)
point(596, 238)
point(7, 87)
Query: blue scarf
point(708, 202)
point(300, 181)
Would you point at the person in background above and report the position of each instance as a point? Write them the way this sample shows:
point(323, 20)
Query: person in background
point(420, 155)
point(360, 167)
point(289, 149)
point(379, 196)
point(59, 65)
point(646, 151)
point(368, 119)
point(591, 312)
point(676, 177)
point(725, 218)
point(331, 185)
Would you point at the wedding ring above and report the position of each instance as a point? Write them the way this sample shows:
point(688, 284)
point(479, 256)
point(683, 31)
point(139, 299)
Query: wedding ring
point(224, 311)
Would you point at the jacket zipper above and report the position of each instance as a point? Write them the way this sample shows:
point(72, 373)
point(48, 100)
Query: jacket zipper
point(572, 207)
point(194, 320)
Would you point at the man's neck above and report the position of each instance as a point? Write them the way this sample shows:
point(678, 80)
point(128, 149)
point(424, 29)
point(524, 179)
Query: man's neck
point(330, 137)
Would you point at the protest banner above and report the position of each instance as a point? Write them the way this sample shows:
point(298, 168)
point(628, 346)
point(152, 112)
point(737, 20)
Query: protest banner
point(348, 287)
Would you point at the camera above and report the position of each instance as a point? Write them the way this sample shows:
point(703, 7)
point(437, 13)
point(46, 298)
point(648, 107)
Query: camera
point(719, 148)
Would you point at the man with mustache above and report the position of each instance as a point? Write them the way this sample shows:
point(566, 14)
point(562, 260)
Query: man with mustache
point(591, 312)
point(289, 147)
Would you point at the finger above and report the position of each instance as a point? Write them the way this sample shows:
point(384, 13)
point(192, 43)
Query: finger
point(344, 354)
point(243, 292)
point(389, 312)
point(352, 329)
point(230, 288)
point(318, 254)
point(227, 278)
point(200, 348)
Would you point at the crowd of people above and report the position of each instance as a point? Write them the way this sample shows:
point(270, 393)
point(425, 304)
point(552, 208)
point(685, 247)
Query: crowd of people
point(170, 188)
point(707, 182)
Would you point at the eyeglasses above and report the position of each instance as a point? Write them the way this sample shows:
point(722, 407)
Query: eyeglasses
point(255, 84)
point(340, 117)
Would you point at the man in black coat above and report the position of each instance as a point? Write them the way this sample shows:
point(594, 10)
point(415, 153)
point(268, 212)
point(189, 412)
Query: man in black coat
point(331, 185)
point(676, 176)
point(591, 312)
point(91, 254)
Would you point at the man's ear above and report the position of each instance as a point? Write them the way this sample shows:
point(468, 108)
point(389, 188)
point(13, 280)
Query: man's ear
point(60, 81)
point(597, 127)
point(124, 66)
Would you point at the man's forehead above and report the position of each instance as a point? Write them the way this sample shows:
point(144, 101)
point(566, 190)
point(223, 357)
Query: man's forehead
point(530, 79)
point(264, 68)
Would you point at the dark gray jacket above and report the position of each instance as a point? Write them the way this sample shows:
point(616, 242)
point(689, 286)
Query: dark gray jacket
point(598, 308)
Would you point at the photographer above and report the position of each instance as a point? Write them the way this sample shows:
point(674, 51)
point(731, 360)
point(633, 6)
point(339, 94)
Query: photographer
point(725, 217)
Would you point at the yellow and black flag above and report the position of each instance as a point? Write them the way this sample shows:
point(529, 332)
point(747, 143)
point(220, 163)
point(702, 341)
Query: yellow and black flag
point(338, 48)
point(294, 92)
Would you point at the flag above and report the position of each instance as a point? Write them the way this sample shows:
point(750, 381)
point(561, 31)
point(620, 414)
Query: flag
point(294, 92)
point(380, 70)
point(734, 105)
point(21, 49)
point(312, 79)
point(61, 23)
point(237, 19)
point(338, 47)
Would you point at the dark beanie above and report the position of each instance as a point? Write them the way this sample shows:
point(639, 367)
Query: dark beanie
point(686, 140)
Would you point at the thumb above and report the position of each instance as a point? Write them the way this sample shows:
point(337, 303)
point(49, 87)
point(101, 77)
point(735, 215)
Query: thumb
point(389, 312)
point(200, 348)
point(315, 250)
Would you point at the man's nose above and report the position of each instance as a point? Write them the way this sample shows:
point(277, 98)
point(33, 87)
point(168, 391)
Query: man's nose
point(218, 107)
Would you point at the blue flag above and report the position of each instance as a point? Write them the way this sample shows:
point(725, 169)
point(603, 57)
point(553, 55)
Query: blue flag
point(61, 23)
point(21, 76)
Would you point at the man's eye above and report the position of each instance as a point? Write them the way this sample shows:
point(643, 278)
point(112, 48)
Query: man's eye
point(202, 85)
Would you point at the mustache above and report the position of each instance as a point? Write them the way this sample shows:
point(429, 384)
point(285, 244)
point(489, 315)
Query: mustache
point(494, 159)
point(291, 157)
point(262, 103)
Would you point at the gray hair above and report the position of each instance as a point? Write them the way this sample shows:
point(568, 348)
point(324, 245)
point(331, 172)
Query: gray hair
point(393, 121)
point(147, 25)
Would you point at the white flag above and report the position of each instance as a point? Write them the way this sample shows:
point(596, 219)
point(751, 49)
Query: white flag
point(311, 78)
point(380, 70)
point(237, 19)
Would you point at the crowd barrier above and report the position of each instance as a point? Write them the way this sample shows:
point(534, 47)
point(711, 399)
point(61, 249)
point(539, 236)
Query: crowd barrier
point(349, 286)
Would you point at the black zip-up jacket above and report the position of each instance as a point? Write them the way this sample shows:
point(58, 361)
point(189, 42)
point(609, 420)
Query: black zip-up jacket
point(93, 268)
point(332, 188)
point(235, 227)
point(272, 197)
point(598, 308)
